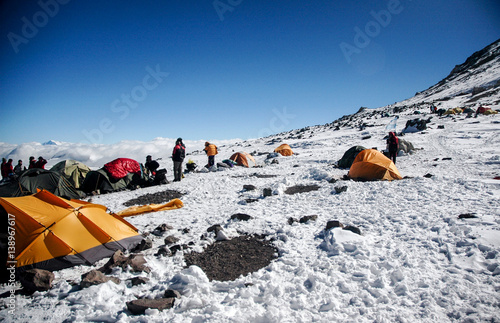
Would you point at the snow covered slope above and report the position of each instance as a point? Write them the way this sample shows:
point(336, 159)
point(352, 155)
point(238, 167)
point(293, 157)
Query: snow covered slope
point(416, 259)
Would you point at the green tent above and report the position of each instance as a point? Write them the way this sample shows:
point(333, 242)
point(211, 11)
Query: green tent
point(100, 180)
point(74, 171)
point(34, 179)
point(349, 156)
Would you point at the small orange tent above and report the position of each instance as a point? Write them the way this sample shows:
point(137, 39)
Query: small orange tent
point(371, 164)
point(243, 159)
point(284, 150)
point(53, 233)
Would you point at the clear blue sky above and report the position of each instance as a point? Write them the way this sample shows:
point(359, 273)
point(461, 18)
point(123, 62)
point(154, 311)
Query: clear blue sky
point(105, 71)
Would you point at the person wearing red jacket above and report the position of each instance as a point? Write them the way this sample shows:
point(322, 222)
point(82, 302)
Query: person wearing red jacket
point(40, 163)
point(178, 155)
point(393, 146)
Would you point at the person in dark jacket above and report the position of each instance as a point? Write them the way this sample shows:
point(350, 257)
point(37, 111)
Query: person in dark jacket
point(393, 146)
point(32, 162)
point(151, 165)
point(178, 155)
point(40, 163)
point(3, 168)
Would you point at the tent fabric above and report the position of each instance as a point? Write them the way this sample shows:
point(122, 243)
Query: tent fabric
point(101, 181)
point(243, 159)
point(53, 233)
point(284, 150)
point(371, 164)
point(121, 167)
point(34, 179)
point(349, 156)
point(136, 210)
point(74, 171)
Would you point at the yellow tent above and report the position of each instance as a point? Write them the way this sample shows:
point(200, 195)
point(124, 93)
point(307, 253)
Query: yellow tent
point(284, 150)
point(371, 164)
point(243, 159)
point(53, 233)
point(136, 210)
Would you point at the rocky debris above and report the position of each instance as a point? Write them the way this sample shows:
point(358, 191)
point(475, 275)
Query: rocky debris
point(227, 260)
point(161, 229)
point(267, 192)
point(301, 189)
point(249, 187)
point(96, 277)
point(163, 251)
point(308, 218)
point(139, 306)
point(340, 189)
point(143, 245)
point(467, 216)
point(170, 240)
point(138, 280)
point(154, 198)
point(36, 280)
point(337, 224)
point(241, 217)
point(170, 293)
point(136, 262)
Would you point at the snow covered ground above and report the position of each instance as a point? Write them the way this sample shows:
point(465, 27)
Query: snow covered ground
point(415, 260)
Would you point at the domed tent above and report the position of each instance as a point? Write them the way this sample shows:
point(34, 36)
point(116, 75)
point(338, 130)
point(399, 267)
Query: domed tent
point(74, 171)
point(284, 150)
point(349, 156)
point(371, 164)
point(34, 179)
point(243, 159)
point(116, 175)
point(52, 233)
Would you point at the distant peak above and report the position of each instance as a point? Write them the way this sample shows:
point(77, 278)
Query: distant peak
point(50, 143)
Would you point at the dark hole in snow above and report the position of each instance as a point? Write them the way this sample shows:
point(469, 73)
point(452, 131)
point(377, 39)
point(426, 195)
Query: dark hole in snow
point(301, 189)
point(227, 260)
point(154, 198)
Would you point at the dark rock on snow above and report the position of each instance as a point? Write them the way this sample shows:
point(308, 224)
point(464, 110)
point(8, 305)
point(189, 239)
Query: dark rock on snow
point(96, 277)
point(36, 280)
point(139, 306)
point(241, 217)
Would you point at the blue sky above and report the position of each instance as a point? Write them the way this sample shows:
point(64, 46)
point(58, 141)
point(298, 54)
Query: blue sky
point(106, 71)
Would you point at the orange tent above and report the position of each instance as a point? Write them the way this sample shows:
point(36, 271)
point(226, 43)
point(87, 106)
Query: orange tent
point(243, 159)
point(371, 164)
point(284, 150)
point(54, 233)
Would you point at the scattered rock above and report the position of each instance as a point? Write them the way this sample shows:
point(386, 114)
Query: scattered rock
point(96, 277)
point(251, 200)
point(36, 280)
point(241, 217)
point(441, 127)
point(308, 218)
point(139, 306)
point(138, 280)
point(178, 247)
point(170, 293)
point(275, 161)
point(340, 189)
point(155, 198)
point(171, 240)
point(161, 229)
point(215, 228)
point(143, 245)
point(267, 192)
point(301, 189)
point(292, 220)
point(447, 158)
point(136, 262)
point(249, 187)
point(467, 216)
point(333, 224)
point(428, 175)
point(353, 229)
point(163, 251)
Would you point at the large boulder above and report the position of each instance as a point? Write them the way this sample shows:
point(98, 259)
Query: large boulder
point(95, 277)
point(36, 280)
